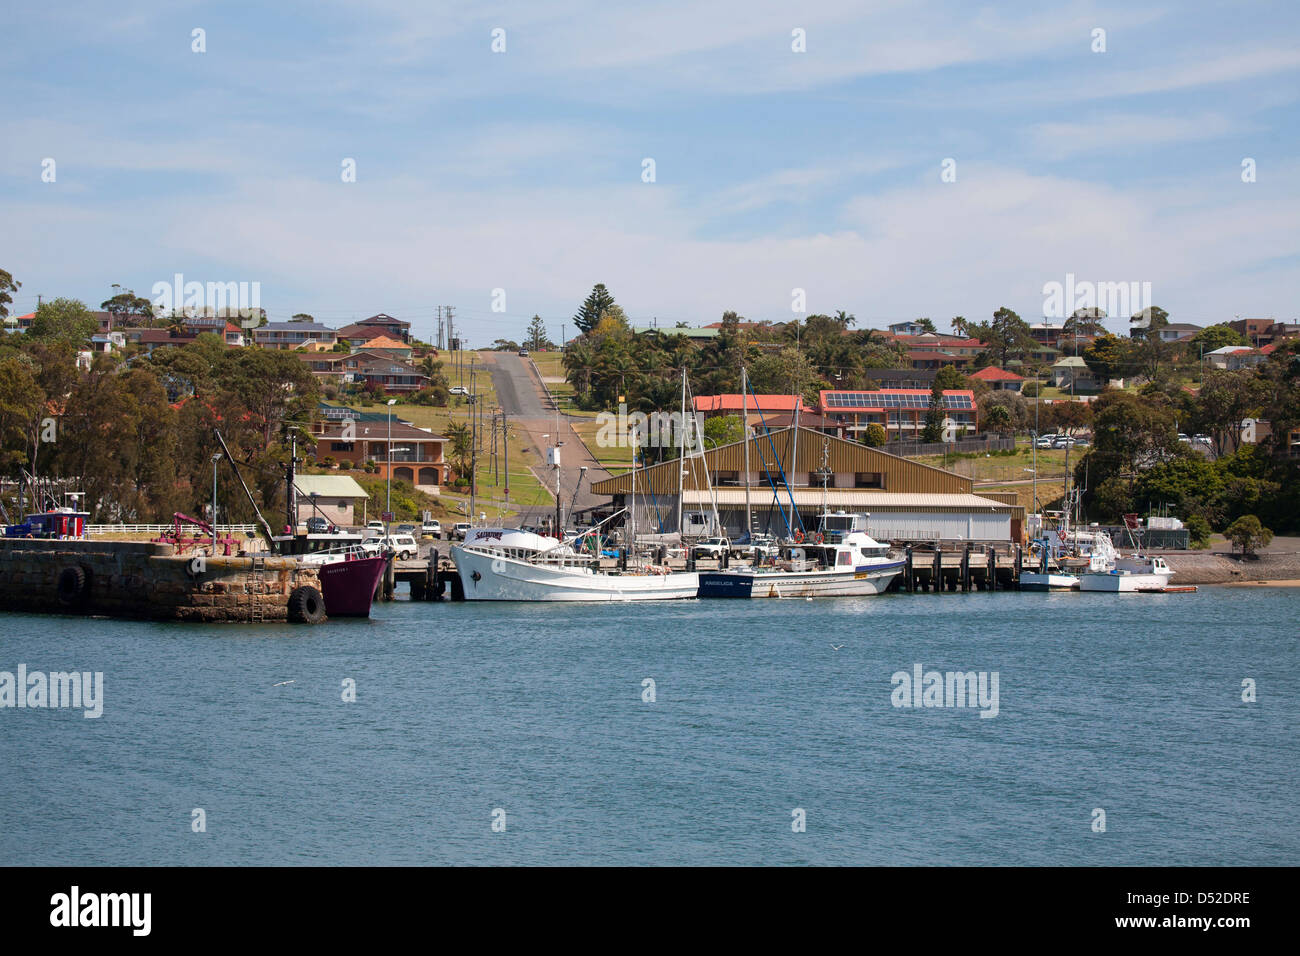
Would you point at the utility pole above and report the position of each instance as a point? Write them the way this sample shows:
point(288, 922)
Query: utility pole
point(505, 443)
point(437, 342)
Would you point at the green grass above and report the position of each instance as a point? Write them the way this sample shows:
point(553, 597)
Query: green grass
point(613, 458)
point(1051, 464)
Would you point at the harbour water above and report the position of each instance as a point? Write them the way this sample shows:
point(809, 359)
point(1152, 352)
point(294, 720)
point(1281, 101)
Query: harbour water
point(1132, 705)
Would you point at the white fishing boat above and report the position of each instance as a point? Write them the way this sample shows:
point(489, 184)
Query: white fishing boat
point(840, 560)
point(513, 565)
point(1048, 581)
point(1119, 575)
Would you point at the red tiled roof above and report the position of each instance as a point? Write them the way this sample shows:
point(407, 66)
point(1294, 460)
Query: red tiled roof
point(718, 403)
point(992, 374)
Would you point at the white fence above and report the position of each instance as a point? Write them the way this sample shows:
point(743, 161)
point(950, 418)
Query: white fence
point(226, 529)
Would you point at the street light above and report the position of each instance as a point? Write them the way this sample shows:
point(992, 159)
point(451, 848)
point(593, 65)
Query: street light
point(215, 458)
point(388, 498)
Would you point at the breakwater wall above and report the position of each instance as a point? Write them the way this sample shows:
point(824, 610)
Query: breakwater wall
point(150, 581)
point(1203, 567)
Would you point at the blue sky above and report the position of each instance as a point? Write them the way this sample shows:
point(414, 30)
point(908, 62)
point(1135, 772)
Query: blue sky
point(775, 170)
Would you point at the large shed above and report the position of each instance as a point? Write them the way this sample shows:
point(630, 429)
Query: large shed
point(906, 500)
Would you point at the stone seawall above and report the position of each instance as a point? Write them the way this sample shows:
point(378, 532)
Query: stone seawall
point(141, 580)
point(1192, 567)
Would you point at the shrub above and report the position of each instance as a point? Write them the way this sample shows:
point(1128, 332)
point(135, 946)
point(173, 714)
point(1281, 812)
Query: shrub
point(1248, 534)
point(1198, 531)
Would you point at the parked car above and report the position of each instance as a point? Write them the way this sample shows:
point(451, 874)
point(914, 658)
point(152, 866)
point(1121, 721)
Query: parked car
point(759, 547)
point(1045, 441)
point(375, 525)
point(1063, 441)
point(459, 530)
point(523, 353)
point(711, 548)
point(431, 529)
point(318, 525)
point(1202, 440)
point(458, 390)
point(405, 528)
point(402, 545)
point(1182, 437)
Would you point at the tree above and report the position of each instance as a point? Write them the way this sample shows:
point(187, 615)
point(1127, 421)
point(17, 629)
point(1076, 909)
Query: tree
point(1248, 534)
point(949, 378)
point(535, 337)
point(723, 430)
point(302, 317)
point(63, 320)
point(998, 420)
point(125, 304)
point(7, 285)
point(505, 345)
point(1083, 323)
point(787, 372)
point(1006, 336)
point(1067, 417)
point(594, 308)
point(1215, 337)
point(874, 436)
point(1224, 400)
point(960, 325)
point(461, 441)
point(926, 325)
point(1109, 357)
point(1153, 350)
point(934, 415)
point(1198, 532)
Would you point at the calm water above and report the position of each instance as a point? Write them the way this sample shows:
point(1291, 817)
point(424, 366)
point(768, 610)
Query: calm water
point(1130, 704)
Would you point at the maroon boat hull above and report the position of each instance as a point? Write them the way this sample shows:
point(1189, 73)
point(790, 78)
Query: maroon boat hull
point(349, 586)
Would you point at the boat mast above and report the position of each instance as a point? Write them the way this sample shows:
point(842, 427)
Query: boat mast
point(681, 460)
point(794, 458)
point(270, 536)
point(744, 435)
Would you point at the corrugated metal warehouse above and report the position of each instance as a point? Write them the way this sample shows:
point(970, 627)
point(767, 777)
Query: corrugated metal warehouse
point(907, 501)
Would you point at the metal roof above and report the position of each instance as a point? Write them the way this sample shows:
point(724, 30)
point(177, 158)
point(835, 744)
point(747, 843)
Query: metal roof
point(861, 499)
point(329, 486)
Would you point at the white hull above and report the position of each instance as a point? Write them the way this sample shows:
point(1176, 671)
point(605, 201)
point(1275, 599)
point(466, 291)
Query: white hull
point(1122, 582)
point(488, 577)
point(1037, 581)
point(851, 582)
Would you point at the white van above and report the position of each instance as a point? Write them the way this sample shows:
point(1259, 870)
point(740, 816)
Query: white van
point(403, 545)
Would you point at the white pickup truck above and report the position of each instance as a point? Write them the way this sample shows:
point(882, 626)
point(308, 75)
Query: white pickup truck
point(711, 548)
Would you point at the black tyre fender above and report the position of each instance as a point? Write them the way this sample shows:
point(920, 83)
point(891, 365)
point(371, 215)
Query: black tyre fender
point(306, 605)
point(72, 586)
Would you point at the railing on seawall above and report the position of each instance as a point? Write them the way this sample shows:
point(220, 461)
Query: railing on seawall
point(222, 529)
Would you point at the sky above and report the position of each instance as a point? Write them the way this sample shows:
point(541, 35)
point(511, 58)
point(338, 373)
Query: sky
point(912, 159)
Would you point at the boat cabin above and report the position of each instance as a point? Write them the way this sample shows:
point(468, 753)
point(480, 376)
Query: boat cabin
point(60, 524)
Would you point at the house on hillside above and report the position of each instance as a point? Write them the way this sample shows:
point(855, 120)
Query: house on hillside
point(352, 438)
point(999, 379)
point(900, 412)
point(1232, 358)
point(336, 498)
point(1072, 374)
point(294, 335)
point(359, 333)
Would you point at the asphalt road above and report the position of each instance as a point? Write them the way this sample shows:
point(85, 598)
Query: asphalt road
point(520, 394)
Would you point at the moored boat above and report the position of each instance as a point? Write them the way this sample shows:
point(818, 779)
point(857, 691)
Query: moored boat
point(507, 564)
point(1139, 573)
point(349, 576)
point(842, 560)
